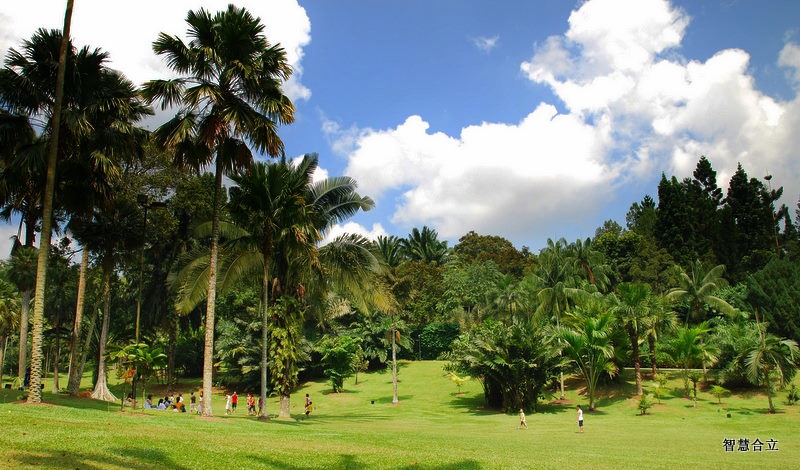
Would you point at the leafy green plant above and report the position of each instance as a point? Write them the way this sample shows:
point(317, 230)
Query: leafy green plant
point(645, 403)
point(718, 391)
point(794, 395)
point(459, 381)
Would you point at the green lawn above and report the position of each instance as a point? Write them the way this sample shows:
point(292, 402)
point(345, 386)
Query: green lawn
point(433, 427)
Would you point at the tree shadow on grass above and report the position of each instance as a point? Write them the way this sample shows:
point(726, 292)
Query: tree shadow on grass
point(352, 462)
point(146, 459)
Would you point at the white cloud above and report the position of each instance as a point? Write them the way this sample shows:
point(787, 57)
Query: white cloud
point(486, 44)
point(790, 58)
point(515, 178)
point(611, 67)
point(635, 108)
point(127, 30)
point(373, 233)
point(6, 234)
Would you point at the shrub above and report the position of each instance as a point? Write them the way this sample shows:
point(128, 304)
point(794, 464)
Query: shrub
point(644, 403)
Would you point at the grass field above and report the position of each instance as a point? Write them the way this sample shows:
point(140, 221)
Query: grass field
point(433, 427)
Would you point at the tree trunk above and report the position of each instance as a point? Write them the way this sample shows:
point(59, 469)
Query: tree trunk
point(637, 363)
point(24, 325)
point(395, 399)
point(57, 353)
point(101, 391)
point(285, 410)
point(4, 340)
point(171, 349)
point(87, 344)
point(651, 341)
point(208, 355)
point(264, 414)
point(769, 390)
point(73, 379)
point(35, 392)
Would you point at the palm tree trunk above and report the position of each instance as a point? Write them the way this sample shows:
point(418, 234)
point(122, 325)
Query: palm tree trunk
point(395, 399)
point(633, 337)
point(265, 332)
point(171, 348)
point(35, 393)
point(208, 355)
point(769, 390)
point(87, 344)
point(4, 340)
point(651, 341)
point(57, 353)
point(24, 324)
point(101, 391)
point(73, 379)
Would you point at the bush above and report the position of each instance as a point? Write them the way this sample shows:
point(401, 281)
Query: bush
point(645, 403)
point(793, 395)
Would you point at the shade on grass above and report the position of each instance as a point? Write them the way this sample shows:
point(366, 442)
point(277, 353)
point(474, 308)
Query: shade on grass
point(433, 427)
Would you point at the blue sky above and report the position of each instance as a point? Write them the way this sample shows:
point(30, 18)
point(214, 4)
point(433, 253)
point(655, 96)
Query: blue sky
point(525, 119)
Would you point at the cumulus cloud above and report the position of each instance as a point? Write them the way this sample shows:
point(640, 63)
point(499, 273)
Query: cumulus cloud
point(337, 230)
point(624, 69)
point(635, 107)
point(127, 32)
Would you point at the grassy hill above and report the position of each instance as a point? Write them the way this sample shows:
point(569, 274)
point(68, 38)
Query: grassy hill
point(433, 427)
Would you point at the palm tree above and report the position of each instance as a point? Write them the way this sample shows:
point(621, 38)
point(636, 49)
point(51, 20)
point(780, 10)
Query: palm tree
point(22, 273)
point(389, 250)
point(687, 348)
point(660, 320)
point(587, 343)
point(9, 318)
point(632, 311)
point(229, 95)
point(554, 284)
point(425, 246)
point(697, 288)
point(589, 261)
point(33, 107)
point(772, 355)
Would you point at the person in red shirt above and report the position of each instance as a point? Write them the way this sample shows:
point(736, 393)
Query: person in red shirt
point(234, 401)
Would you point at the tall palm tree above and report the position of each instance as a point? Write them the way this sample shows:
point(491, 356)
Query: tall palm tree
point(697, 287)
point(389, 250)
point(43, 105)
point(632, 311)
point(587, 343)
point(22, 273)
point(554, 285)
point(9, 318)
point(660, 319)
point(229, 94)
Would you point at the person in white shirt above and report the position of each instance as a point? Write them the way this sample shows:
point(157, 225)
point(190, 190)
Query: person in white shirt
point(580, 418)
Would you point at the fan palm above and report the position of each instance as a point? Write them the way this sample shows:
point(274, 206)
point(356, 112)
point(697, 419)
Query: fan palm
point(772, 355)
point(229, 94)
point(697, 287)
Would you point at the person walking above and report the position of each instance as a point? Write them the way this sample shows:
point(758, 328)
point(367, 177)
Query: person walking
point(192, 403)
point(580, 418)
point(227, 404)
point(523, 424)
point(234, 401)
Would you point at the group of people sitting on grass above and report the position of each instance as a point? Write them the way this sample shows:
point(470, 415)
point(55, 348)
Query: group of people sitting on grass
point(176, 404)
